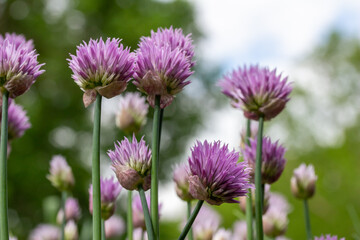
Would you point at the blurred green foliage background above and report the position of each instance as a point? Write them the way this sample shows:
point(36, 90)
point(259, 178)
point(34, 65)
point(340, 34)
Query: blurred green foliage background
point(61, 125)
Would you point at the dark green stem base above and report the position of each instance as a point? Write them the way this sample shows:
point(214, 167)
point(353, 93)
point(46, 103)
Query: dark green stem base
point(96, 170)
point(148, 224)
point(258, 183)
point(4, 228)
point(191, 220)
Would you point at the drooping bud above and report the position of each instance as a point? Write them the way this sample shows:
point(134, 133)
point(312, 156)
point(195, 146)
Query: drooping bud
point(303, 181)
point(131, 162)
point(110, 190)
point(61, 176)
point(181, 179)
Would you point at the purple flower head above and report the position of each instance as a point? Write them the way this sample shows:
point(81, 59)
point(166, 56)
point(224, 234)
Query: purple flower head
point(110, 190)
point(242, 200)
point(328, 237)
point(114, 227)
point(18, 40)
point(206, 223)
point(303, 181)
point(138, 213)
point(163, 63)
point(181, 179)
point(18, 121)
point(240, 230)
point(215, 174)
point(101, 67)
point(45, 232)
point(132, 112)
point(131, 162)
point(71, 231)
point(61, 176)
point(72, 211)
point(19, 67)
point(258, 91)
point(275, 219)
point(273, 161)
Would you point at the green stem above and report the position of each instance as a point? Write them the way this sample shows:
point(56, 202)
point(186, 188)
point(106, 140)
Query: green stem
point(249, 208)
point(188, 217)
point(258, 183)
point(4, 229)
point(96, 170)
point(63, 206)
point(307, 220)
point(148, 224)
point(129, 217)
point(191, 220)
point(103, 236)
point(155, 166)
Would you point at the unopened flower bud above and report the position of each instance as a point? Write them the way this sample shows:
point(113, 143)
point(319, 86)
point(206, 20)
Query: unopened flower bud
point(114, 227)
point(181, 179)
point(61, 176)
point(72, 210)
point(71, 231)
point(303, 181)
point(266, 200)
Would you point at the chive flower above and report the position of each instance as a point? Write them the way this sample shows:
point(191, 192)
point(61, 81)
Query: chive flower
point(18, 121)
point(19, 66)
point(181, 179)
point(273, 161)
point(101, 67)
point(45, 232)
point(163, 64)
point(328, 237)
point(258, 91)
point(303, 181)
point(240, 230)
point(72, 211)
point(132, 112)
point(215, 174)
point(206, 223)
point(61, 176)
point(110, 190)
point(131, 162)
point(222, 234)
point(71, 231)
point(114, 227)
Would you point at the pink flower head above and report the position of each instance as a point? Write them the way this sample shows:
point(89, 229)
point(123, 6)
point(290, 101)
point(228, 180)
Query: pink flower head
point(240, 230)
point(114, 227)
point(131, 162)
point(45, 232)
point(222, 234)
point(132, 112)
point(206, 223)
point(19, 67)
point(181, 179)
point(110, 190)
point(275, 219)
point(273, 161)
point(72, 211)
point(138, 213)
point(163, 63)
point(303, 181)
point(258, 91)
point(215, 174)
point(61, 175)
point(18, 121)
point(71, 231)
point(328, 237)
point(101, 68)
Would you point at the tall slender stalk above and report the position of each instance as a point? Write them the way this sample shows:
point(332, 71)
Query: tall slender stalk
point(249, 209)
point(103, 235)
point(4, 229)
point(96, 170)
point(63, 207)
point(155, 166)
point(129, 217)
point(191, 220)
point(148, 224)
point(307, 220)
point(188, 216)
point(258, 187)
